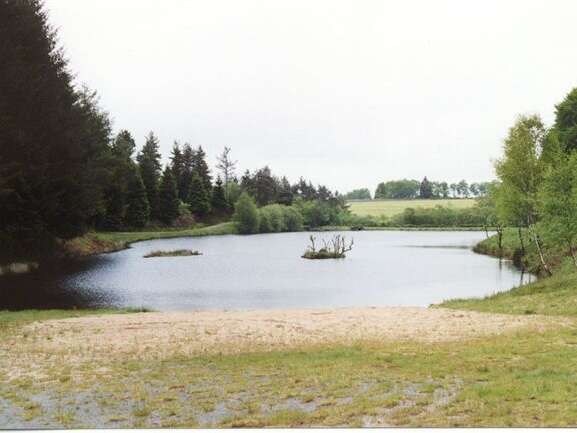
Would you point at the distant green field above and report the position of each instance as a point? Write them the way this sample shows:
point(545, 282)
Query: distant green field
point(390, 208)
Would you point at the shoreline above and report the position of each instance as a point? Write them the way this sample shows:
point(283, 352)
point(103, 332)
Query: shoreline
point(94, 243)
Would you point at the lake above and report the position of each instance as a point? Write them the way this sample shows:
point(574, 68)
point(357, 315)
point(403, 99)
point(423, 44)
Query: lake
point(385, 268)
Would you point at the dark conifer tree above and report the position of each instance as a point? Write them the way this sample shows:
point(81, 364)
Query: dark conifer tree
point(219, 203)
point(149, 164)
point(177, 163)
point(52, 137)
point(198, 198)
point(115, 203)
point(168, 201)
point(123, 146)
point(121, 166)
point(305, 190)
point(323, 193)
point(265, 191)
point(285, 194)
point(200, 167)
point(247, 183)
point(138, 210)
point(185, 177)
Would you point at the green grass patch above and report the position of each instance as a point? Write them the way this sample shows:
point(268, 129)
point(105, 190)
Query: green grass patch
point(9, 320)
point(524, 379)
point(556, 295)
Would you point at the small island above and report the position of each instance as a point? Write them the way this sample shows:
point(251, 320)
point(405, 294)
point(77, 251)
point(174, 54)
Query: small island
point(175, 253)
point(335, 249)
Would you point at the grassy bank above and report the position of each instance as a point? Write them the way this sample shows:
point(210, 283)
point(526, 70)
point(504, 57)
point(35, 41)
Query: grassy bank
point(555, 295)
point(390, 208)
point(103, 242)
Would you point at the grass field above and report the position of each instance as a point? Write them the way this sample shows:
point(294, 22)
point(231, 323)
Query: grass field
point(391, 208)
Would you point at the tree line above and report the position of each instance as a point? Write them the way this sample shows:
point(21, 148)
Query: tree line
point(143, 192)
point(63, 172)
point(536, 190)
point(426, 189)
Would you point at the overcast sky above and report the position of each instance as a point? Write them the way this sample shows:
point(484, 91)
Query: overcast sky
point(346, 93)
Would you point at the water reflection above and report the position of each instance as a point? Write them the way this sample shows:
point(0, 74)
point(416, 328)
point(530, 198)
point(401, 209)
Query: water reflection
point(266, 271)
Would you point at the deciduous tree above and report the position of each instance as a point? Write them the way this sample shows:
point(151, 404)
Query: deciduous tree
point(521, 172)
point(558, 203)
point(246, 214)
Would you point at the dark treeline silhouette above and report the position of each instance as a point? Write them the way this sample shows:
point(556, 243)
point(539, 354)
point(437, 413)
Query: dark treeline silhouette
point(62, 172)
point(53, 138)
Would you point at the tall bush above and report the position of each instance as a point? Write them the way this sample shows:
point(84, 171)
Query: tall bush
point(246, 215)
point(293, 220)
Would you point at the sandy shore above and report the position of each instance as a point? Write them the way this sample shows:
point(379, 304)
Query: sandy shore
point(188, 333)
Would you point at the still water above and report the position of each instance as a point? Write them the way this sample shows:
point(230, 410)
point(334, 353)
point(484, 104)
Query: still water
point(385, 268)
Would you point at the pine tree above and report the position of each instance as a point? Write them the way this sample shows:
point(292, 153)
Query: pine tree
point(198, 198)
point(149, 164)
point(200, 167)
point(176, 162)
point(138, 210)
point(121, 166)
point(264, 187)
point(114, 216)
point(185, 178)
point(52, 137)
point(123, 146)
point(247, 183)
point(168, 202)
point(285, 195)
point(219, 203)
